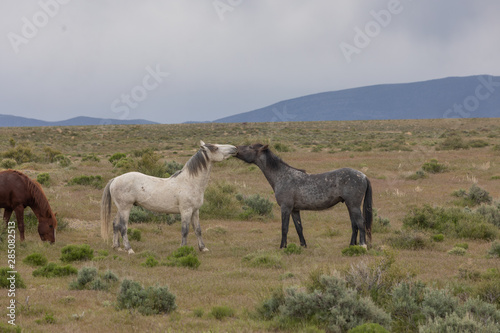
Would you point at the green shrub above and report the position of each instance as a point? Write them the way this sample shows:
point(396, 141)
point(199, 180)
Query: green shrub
point(43, 179)
point(380, 224)
point(450, 221)
point(354, 250)
point(150, 262)
point(457, 251)
point(408, 240)
point(262, 259)
point(20, 154)
point(334, 306)
point(405, 306)
point(139, 214)
point(433, 166)
point(6, 279)
point(35, 259)
point(134, 234)
point(478, 143)
point(149, 301)
point(221, 312)
point(173, 167)
point(476, 196)
point(458, 323)
point(8, 163)
point(185, 256)
point(89, 279)
point(368, 328)
point(62, 160)
point(255, 205)
point(149, 164)
point(94, 181)
point(54, 270)
point(282, 148)
point(198, 312)
point(495, 249)
point(220, 202)
point(462, 245)
point(116, 157)
point(453, 142)
point(438, 238)
point(270, 307)
point(292, 249)
point(419, 174)
point(90, 158)
point(491, 213)
point(71, 253)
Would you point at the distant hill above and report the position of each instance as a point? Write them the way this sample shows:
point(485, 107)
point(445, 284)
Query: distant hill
point(15, 121)
point(452, 97)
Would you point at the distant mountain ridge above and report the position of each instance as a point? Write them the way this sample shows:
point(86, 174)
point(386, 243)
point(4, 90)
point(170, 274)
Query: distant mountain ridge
point(452, 97)
point(15, 121)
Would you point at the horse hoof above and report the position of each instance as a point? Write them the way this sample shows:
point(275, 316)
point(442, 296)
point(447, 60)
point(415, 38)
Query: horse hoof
point(130, 251)
point(119, 249)
point(204, 249)
point(364, 245)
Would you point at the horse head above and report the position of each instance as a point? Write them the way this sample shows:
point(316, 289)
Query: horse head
point(216, 152)
point(251, 153)
point(47, 227)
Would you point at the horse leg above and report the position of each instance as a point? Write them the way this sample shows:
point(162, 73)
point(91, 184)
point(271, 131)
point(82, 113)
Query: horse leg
point(20, 220)
point(285, 220)
point(358, 223)
point(6, 215)
point(298, 227)
point(116, 231)
point(195, 221)
point(186, 217)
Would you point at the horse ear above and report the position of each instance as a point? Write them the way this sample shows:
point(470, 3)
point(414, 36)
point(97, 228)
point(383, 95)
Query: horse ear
point(202, 144)
point(264, 148)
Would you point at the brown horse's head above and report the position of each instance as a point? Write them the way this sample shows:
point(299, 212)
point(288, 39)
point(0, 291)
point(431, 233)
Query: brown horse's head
point(47, 227)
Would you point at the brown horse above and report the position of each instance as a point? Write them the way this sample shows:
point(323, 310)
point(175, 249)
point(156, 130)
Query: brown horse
point(18, 191)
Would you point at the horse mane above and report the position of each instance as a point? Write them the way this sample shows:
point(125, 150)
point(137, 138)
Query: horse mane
point(197, 162)
point(274, 161)
point(35, 189)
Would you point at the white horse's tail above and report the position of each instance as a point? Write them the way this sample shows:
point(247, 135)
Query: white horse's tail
point(106, 211)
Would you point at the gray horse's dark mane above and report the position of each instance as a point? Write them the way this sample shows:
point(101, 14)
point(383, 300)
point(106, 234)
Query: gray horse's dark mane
point(197, 162)
point(274, 161)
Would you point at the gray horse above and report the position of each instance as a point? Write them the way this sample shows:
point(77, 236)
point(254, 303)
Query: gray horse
point(296, 190)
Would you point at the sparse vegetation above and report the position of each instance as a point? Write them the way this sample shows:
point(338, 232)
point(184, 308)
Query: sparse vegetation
point(386, 151)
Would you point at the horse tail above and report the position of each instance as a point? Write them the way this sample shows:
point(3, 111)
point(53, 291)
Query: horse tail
point(106, 211)
point(367, 209)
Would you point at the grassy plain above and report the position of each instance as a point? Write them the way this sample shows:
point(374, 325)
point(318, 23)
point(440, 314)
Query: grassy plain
point(386, 151)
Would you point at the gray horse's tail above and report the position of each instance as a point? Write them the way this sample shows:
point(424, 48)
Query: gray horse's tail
point(367, 209)
point(106, 211)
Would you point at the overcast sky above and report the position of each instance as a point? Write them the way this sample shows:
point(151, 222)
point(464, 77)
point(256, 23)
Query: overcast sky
point(175, 61)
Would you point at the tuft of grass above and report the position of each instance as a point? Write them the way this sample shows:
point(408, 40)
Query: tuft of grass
point(222, 311)
point(495, 249)
point(457, 251)
point(93, 181)
point(7, 279)
point(134, 234)
point(150, 262)
point(185, 256)
point(148, 301)
point(292, 249)
point(71, 253)
point(263, 260)
point(35, 259)
point(438, 238)
point(55, 270)
point(354, 250)
point(433, 166)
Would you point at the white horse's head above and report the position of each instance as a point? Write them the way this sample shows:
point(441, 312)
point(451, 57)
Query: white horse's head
point(216, 152)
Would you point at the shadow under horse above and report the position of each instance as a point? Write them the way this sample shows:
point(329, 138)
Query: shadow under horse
point(296, 190)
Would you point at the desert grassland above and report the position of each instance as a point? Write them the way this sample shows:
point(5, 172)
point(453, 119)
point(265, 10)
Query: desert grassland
point(386, 151)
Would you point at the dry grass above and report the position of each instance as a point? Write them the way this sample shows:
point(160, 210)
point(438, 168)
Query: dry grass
point(222, 278)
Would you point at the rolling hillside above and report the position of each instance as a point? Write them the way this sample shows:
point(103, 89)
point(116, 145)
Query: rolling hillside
point(452, 97)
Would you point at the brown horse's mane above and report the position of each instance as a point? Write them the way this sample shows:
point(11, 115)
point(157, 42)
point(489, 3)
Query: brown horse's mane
point(37, 192)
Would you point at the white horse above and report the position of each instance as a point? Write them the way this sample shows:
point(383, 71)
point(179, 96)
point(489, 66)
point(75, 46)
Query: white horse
point(182, 193)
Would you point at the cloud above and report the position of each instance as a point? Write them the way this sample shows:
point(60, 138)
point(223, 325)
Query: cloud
point(88, 54)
